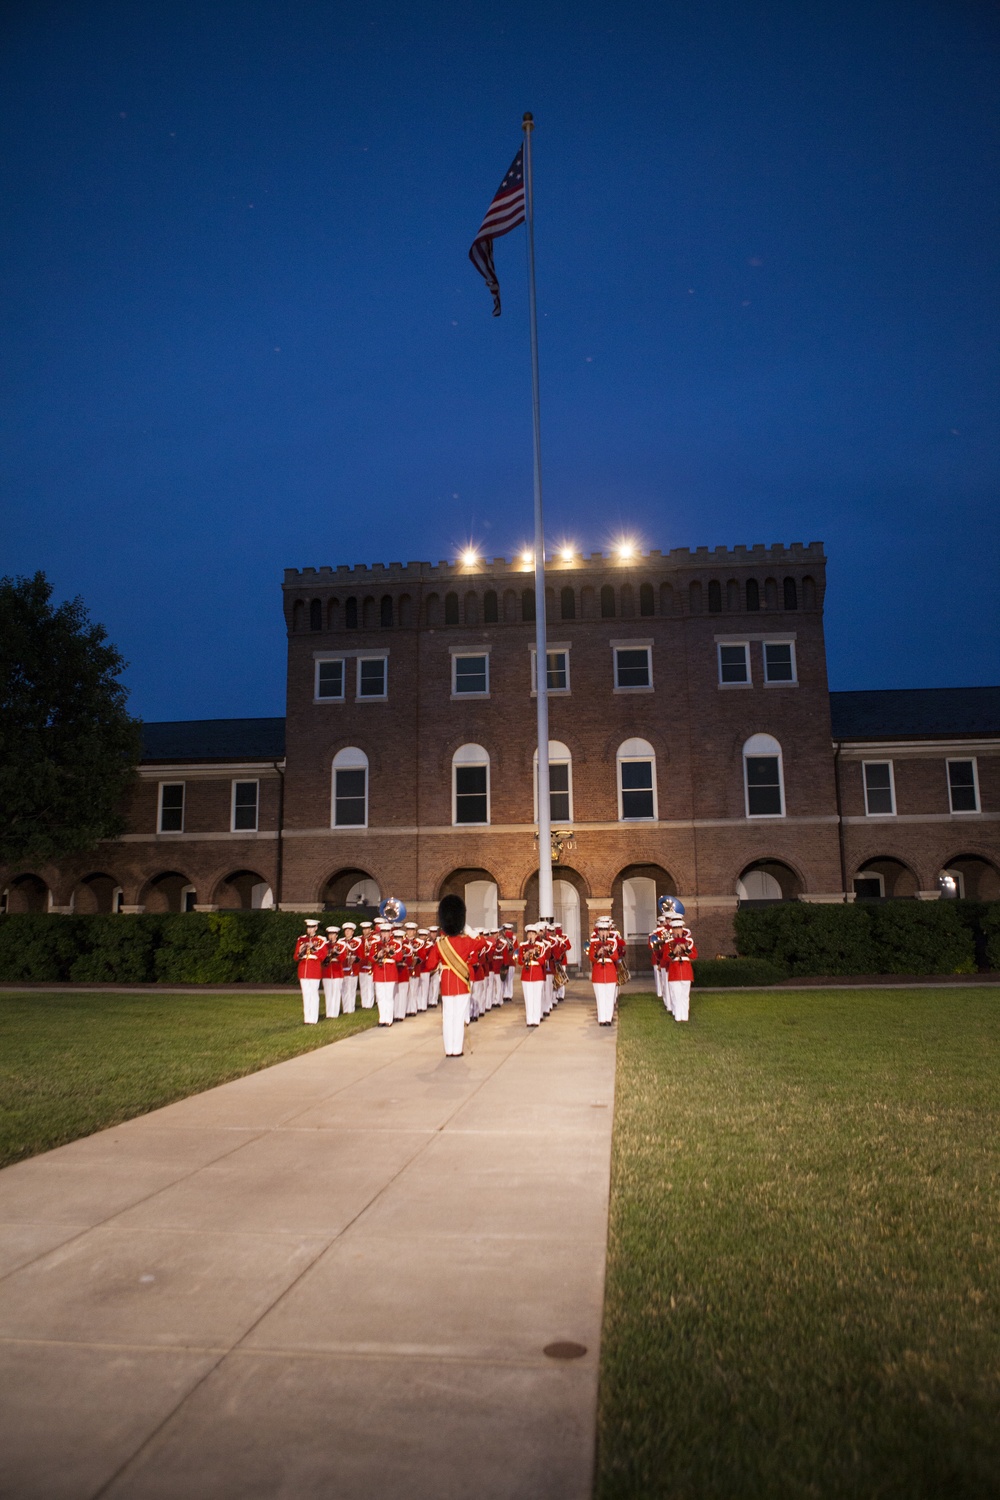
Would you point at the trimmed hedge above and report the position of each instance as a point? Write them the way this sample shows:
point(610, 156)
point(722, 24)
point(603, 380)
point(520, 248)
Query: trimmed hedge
point(730, 973)
point(250, 947)
point(869, 937)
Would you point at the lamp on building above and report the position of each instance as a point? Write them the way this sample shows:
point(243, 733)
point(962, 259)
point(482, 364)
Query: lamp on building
point(947, 885)
point(626, 550)
point(470, 557)
point(567, 554)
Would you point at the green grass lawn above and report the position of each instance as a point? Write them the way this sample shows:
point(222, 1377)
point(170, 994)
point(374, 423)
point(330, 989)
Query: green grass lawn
point(803, 1296)
point(73, 1064)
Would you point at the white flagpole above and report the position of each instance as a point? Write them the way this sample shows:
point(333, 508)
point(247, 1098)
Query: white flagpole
point(545, 906)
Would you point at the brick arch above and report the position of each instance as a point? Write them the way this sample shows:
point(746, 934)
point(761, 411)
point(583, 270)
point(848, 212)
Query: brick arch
point(95, 893)
point(454, 875)
point(987, 877)
point(163, 891)
point(771, 859)
point(233, 891)
point(27, 892)
point(572, 873)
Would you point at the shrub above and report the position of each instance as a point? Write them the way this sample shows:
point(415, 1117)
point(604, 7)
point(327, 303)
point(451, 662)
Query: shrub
point(36, 948)
point(991, 932)
point(733, 972)
point(119, 950)
point(202, 948)
point(870, 937)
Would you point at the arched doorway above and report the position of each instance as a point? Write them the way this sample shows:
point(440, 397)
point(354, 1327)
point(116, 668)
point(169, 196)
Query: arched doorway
point(351, 888)
point(95, 894)
point(479, 891)
point(977, 879)
point(28, 893)
point(885, 879)
point(767, 880)
point(244, 890)
point(170, 892)
point(566, 904)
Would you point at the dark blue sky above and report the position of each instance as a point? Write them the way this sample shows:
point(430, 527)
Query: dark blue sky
point(240, 329)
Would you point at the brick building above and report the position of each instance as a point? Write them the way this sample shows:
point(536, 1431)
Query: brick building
point(695, 749)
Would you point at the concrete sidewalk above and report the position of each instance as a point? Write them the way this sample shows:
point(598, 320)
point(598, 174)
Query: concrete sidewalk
point(335, 1278)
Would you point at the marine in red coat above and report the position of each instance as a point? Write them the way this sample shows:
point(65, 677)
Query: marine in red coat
point(310, 951)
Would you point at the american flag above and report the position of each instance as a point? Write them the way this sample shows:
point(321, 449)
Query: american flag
point(504, 214)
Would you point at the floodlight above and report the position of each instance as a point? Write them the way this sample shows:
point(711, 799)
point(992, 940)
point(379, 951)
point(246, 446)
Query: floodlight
point(566, 554)
point(626, 550)
point(470, 557)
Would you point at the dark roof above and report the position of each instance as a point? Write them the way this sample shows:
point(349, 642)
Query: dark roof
point(915, 713)
point(214, 739)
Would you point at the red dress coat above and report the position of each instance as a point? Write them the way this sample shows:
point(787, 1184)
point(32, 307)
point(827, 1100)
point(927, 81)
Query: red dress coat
point(530, 955)
point(682, 950)
point(466, 948)
point(384, 954)
point(333, 964)
point(309, 955)
point(603, 956)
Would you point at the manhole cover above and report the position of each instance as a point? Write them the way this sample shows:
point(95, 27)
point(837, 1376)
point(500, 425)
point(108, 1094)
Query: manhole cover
point(565, 1350)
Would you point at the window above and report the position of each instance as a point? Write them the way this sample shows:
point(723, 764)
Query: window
point(491, 608)
point(451, 609)
point(636, 781)
point(350, 788)
point(734, 665)
point(753, 594)
point(244, 816)
point(869, 887)
point(715, 597)
point(385, 611)
point(607, 602)
point(470, 785)
point(779, 661)
point(646, 599)
point(470, 675)
point(560, 782)
point(329, 685)
point(557, 674)
point(315, 614)
point(371, 677)
point(171, 818)
point(633, 668)
point(765, 795)
point(963, 786)
point(351, 614)
point(527, 604)
point(790, 594)
point(880, 791)
point(567, 604)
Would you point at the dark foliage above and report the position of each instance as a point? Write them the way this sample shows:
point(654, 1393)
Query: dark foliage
point(866, 937)
point(731, 973)
point(68, 746)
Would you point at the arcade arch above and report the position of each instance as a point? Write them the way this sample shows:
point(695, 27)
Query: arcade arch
point(884, 878)
point(244, 890)
point(350, 887)
point(767, 880)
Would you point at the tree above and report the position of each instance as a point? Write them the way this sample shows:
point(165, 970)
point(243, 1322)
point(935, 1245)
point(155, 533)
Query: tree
point(68, 745)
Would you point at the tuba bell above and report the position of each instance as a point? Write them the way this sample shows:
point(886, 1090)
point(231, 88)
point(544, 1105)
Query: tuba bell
point(392, 909)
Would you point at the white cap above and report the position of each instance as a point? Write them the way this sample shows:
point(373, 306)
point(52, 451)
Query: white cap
point(312, 921)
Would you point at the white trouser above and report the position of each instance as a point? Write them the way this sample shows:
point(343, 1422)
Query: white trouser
point(657, 977)
point(668, 999)
point(332, 989)
point(547, 1000)
point(423, 982)
point(497, 987)
point(453, 1008)
point(477, 997)
point(507, 985)
point(385, 994)
point(604, 994)
point(310, 1001)
point(366, 983)
point(401, 997)
point(412, 992)
point(532, 990)
point(680, 994)
point(349, 994)
point(434, 993)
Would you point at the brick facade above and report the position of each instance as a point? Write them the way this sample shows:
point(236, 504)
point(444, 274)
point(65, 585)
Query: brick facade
point(682, 610)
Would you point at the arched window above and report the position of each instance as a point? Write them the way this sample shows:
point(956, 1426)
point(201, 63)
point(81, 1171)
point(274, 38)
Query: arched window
point(791, 594)
point(333, 615)
point(350, 789)
point(808, 593)
point(470, 785)
point(694, 598)
point(770, 593)
point(560, 782)
point(753, 594)
point(385, 611)
point(405, 611)
point(607, 602)
point(351, 614)
point(368, 613)
point(315, 614)
point(472, 609)
point(646, 600)
point(666, 599)
point(491, 610)
point(763, 781)
point(715, 597)
point(451, 609)
point(299, 614)
point(433, 610)
point(588, 603)
point(527, 604)
point(636, 770)
point(567, 604)
point(732, 596)
point(509, 607)
point(627, 601)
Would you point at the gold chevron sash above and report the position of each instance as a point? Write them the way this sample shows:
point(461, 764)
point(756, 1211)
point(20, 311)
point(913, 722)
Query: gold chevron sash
point(452, 960)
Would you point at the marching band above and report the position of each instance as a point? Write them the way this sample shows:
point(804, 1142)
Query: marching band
point(405, 969)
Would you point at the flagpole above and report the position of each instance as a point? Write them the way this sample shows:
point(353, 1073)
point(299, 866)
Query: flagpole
point(545, 904)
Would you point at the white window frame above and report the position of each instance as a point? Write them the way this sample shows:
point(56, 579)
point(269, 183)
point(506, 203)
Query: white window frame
point(159, 807)
point(632, 757)
point(728, 646)
point(963, 760)
point(459, 760)
point(760, 747)
point(559, 755)
point(892, 788)
point(464, 653)
point(552, 648)
point(780, 682)
point(373, 697)
point(646, 646)
point(244, 781)
point(868, 875)
point(320, 661)
point(358, 763)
